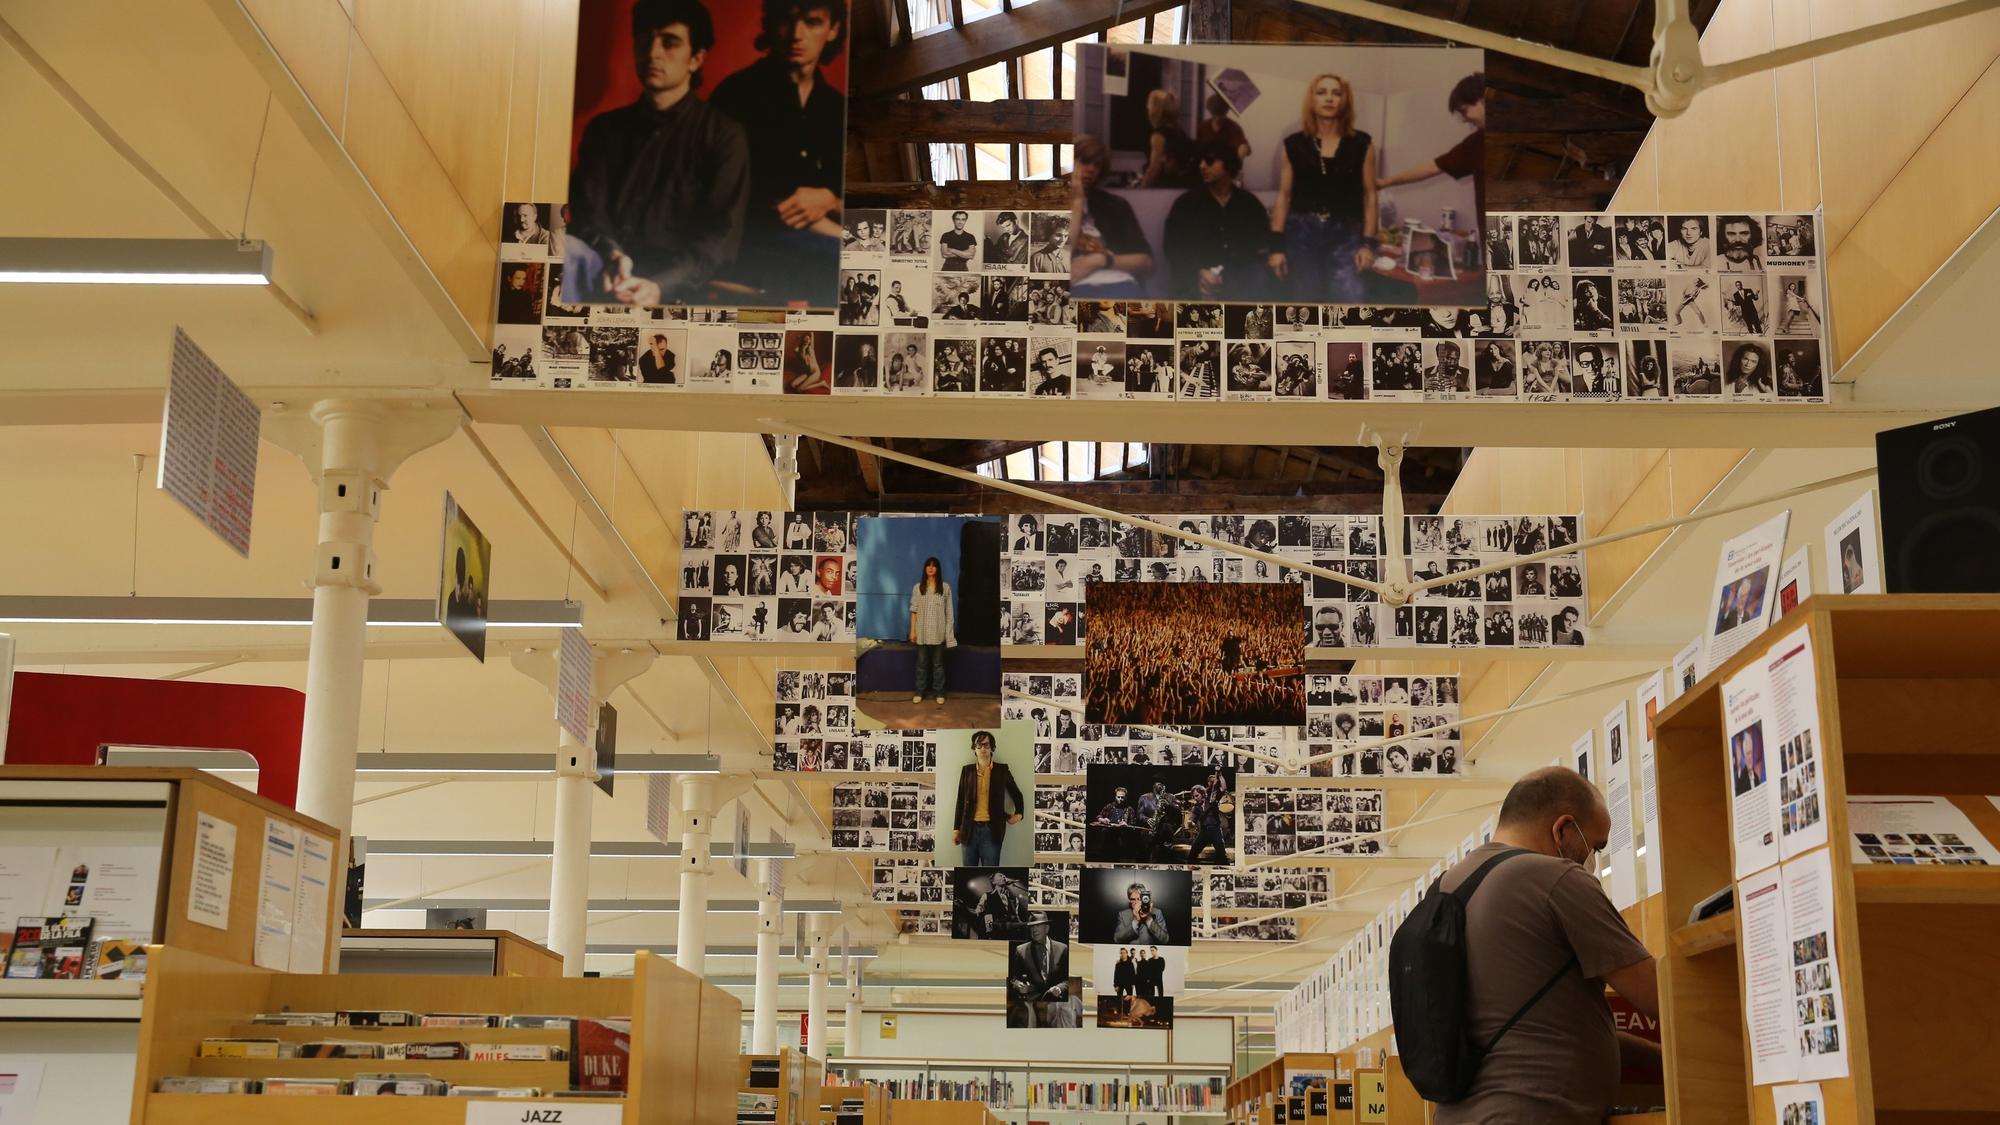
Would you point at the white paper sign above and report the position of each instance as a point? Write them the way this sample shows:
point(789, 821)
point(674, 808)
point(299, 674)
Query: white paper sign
point(1794, 584)
point(1618, 798)
point(310, 906)
point(1753, 795)
point(526, 1112)
point(277, 896)
point(208, 444)
point(1579, 757)
point(20, 1089)
point(1853, 555)
point(1799, 1104)
point(1767, 979)
point(1914, 830)
point(1815, 967)
point(121, 887)
point(1746, 579)
point(573, 676)
point(214, 871)
point(1652, 699)
point(1794, 745)
point(26, 876)
point(1687, 670)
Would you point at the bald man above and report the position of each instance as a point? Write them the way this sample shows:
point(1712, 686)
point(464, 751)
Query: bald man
point(1541, 919)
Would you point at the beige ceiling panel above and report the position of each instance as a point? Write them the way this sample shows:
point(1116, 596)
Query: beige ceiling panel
point(314, 38)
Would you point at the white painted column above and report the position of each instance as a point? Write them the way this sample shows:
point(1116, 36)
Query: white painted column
point(351, 476)
point(770, 926)
point(697, 805)
point(852, 1042)
point(569, 875)
point(816, 1029)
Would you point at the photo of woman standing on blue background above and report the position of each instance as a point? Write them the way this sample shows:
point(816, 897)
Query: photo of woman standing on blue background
point(927, 622)
point(931, 630)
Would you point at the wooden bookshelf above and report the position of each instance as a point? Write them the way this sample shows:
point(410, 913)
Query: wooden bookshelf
point(685, 1036)
point(927, 1112)
point(512, 955)
point(800, 1079)
point(876, 1105)
point(1909, 703)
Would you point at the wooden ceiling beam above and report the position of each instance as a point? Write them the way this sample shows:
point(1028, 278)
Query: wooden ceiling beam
point(1013, 120)
point(947, 54)
point(1582, 194)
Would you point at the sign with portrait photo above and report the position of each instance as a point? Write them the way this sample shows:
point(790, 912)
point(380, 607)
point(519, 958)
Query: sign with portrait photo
point(466, 578)
point(1137, 906)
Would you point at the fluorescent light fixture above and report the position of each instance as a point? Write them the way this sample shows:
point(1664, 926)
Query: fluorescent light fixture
point(601, 849)
point(395, 613)
point(527, 765)
point(134, 261)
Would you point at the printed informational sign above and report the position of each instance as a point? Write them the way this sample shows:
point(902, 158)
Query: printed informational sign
point(277, 895)
point(214, 869)
point(607, 747)
point(309, 906)
point(208, 444)
point(573, 676)
point(522, 1113)
point(1853, 554)
point(1746, 581)
point(1371, 1097)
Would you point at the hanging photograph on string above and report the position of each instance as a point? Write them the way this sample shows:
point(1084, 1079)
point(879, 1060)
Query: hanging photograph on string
point(1322, 173)
point(708, 148)
point(1185, 653)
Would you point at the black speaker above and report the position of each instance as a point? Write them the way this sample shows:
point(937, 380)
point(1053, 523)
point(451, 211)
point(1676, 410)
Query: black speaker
point(1941, 505)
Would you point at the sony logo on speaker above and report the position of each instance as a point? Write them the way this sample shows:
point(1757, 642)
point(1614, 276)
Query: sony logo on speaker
point(1943, 426)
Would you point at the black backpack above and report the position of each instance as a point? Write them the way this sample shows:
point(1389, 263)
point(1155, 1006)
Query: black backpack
point(1429, 995)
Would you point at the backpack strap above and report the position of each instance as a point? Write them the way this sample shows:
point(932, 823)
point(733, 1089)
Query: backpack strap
point(1478, 876)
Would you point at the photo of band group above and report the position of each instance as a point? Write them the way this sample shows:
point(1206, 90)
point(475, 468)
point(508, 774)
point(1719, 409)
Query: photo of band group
point(790, 576)
point(814, 733)
point(1583, 307)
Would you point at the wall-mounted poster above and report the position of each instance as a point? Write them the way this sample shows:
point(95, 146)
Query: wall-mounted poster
point(1156, 1014)
point(1160, 814)
point(1853, 555)
point(1361, 182)
point(466, 578)
point(1180, 652)
point(1134, 906)
point(1146, 970)
point(927, 626)
point(708, 142)
point(884, 817)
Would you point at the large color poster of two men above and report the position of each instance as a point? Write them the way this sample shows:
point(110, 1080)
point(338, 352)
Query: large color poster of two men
point(707, 145)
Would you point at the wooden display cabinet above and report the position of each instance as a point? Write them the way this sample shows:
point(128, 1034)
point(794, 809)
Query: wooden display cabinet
point(1909, 704)
point(685, 1037)
point(493, 953)
point(800, 1078)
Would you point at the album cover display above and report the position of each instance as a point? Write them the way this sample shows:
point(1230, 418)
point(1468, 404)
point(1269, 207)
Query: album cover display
point(791, 576)
point(1342, 119)
point(1576, 307)
point(1160, 814)
point(881, 817)
point(1232, 654)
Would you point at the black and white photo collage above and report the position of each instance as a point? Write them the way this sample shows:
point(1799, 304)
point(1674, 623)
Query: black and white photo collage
point(814, 731)
point(926, 889)
point(1280, 822)
point(789, 576)
point(884, 817)
point(1710, 307)
point(1049, 559)
point(767, 576)
point(813, 725)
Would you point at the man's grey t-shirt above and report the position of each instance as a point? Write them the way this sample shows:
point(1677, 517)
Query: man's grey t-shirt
point(1559, 1064)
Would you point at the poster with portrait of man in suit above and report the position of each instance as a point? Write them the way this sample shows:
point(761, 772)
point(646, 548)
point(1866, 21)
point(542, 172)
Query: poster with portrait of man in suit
point(1040, 990)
